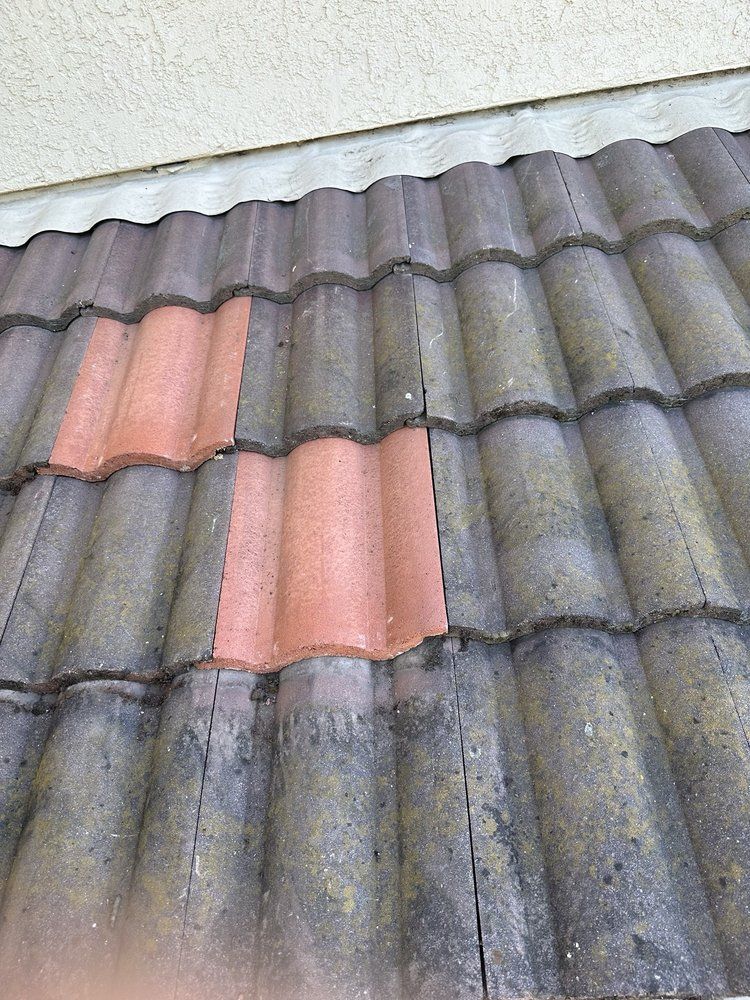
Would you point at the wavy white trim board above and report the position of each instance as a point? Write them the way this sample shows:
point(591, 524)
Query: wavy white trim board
point(577, 125)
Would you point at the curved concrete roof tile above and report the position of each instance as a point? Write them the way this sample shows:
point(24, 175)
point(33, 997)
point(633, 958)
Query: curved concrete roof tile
point(572, 808)
point(164, 392)
point(632, 515)
point(336, 362)
point(115, 579)
point(38, 370)
point(332, 549)
point(665, 321)
point(521, 212)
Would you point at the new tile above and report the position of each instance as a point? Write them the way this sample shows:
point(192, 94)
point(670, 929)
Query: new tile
point(334, 550)
point(163, 392)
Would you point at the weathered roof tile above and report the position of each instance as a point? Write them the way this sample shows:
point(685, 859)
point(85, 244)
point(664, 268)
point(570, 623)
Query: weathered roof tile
point(666, 321)
point(588, 768)
point(326, 830)
point(523, 211)
point(616, 521)
point(336, 362)
point(208, 826)
point(119, 579)
point(38, 370)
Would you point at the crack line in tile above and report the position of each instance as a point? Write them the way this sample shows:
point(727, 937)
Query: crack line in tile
point(195, 836)
point(480, 941)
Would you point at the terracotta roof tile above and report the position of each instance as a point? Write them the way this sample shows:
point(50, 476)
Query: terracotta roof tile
point(163, 392)
point(333, 550)
point(523, 211)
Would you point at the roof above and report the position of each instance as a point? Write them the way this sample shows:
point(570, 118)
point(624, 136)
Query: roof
point(472, 534)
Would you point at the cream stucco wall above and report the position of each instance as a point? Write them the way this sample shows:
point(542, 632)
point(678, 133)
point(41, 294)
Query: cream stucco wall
point(90, 87)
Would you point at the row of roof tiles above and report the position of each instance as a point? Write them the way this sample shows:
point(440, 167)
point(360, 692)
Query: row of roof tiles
point(559, 813)
point(333, 549)
point(630, 515)
point(665, 321)
point(522, 212)
point(575, 800)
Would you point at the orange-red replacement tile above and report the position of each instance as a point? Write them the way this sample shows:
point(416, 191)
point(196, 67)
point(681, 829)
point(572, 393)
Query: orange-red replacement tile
point(163, 391)
point(332, 550)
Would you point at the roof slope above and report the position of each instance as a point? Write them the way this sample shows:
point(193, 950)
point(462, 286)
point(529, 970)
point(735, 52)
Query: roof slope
point(323, 832)
point(509, 751)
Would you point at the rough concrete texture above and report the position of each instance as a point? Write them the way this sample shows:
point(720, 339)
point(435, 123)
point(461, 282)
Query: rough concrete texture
point(628, 516)
point(332, 550)
point(112, 579)
point(164, 392)
point(563, 816)
point(213, 78)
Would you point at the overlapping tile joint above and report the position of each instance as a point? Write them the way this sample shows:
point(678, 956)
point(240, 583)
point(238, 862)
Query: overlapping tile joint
point(481, 486)
point(334, 829)
point(666, 323)
point(522, 212)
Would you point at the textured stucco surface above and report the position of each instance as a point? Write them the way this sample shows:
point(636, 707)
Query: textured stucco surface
point(98, 86)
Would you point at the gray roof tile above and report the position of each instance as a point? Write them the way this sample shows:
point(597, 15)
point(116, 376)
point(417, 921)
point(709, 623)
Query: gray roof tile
point(314, 840)
point(324, 831)
point(665, 321)
point(54, 278)
point(37, 372)
point(336, 362)
point(119, 579)
point(618, 520)
point(597, 769)
point(521, 212)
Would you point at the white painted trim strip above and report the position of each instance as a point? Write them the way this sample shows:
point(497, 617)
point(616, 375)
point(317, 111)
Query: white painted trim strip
point(577, 125)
